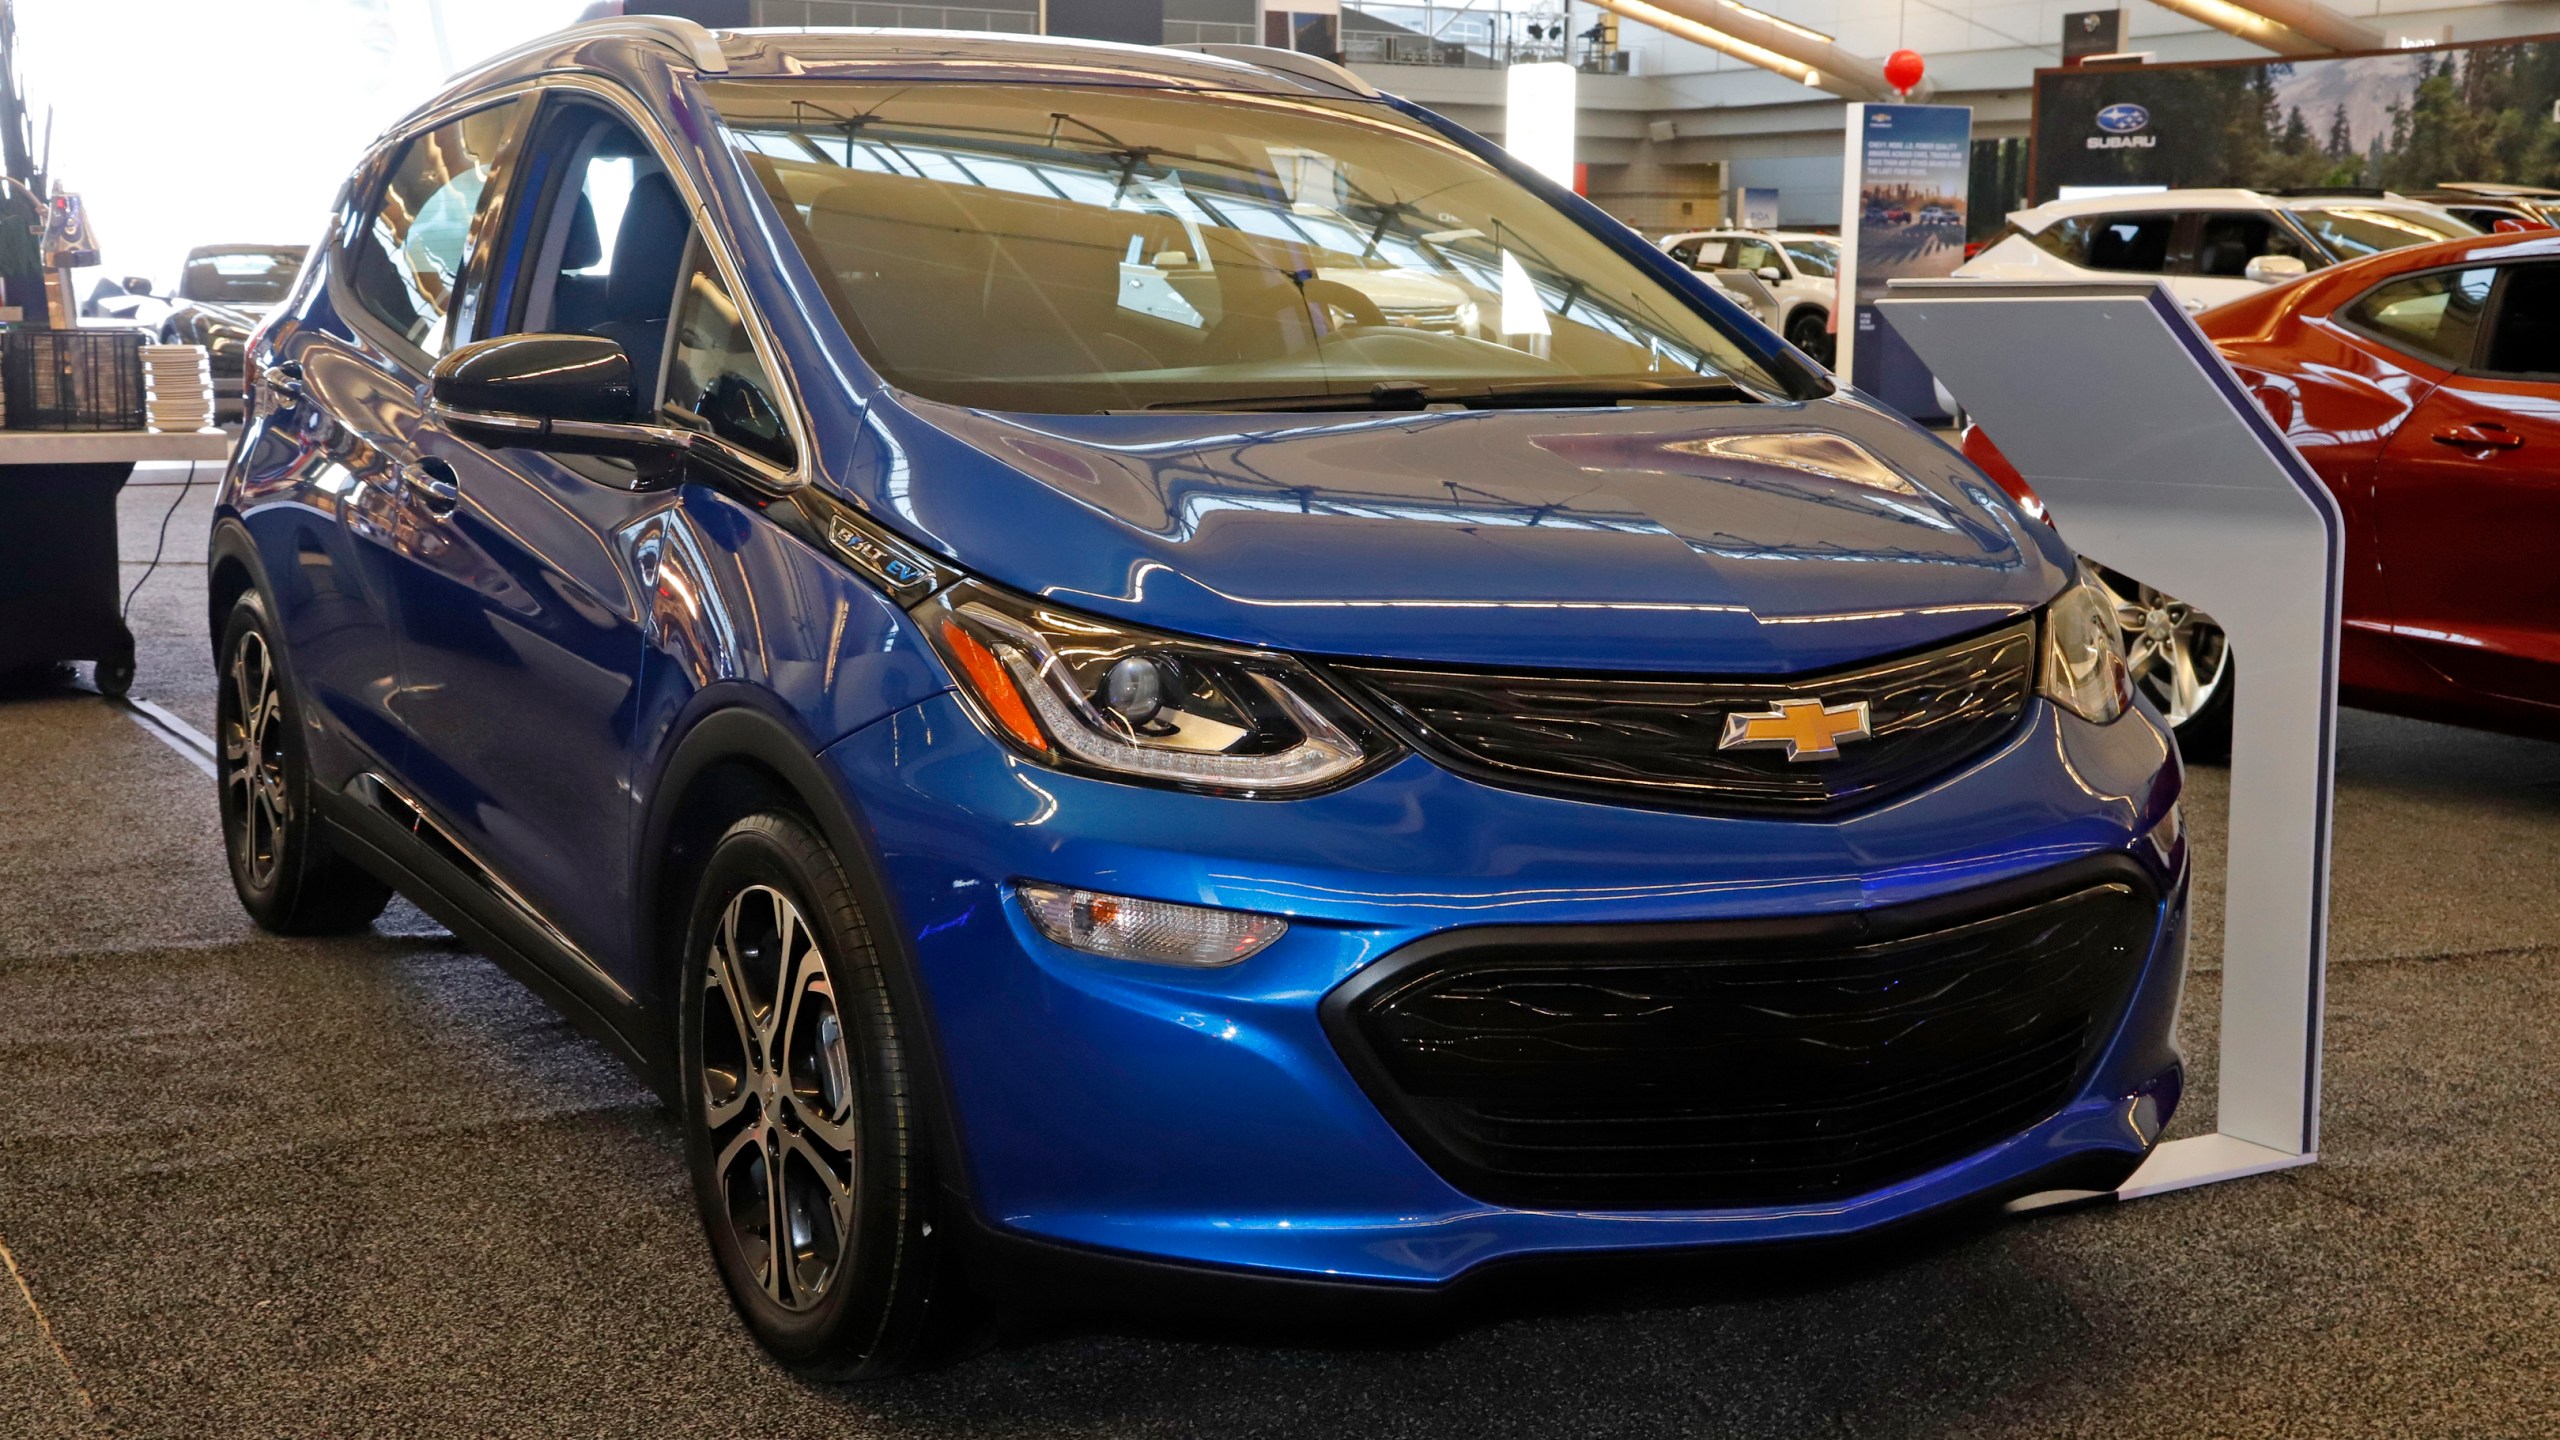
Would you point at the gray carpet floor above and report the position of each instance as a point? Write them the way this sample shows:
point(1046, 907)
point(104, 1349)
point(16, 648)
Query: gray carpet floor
point(253, 1187)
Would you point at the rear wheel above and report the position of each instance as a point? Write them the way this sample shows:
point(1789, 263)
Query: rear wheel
point(803, 1124)
point(288, 878)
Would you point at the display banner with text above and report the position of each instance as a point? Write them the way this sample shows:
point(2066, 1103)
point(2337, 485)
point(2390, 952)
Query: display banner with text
point(1904, 203)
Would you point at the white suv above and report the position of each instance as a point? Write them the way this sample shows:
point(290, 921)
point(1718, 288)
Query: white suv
point(1796, 271)
point(2212, 246)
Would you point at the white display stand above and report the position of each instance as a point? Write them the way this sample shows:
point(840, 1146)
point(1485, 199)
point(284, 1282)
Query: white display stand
point(2157, 463)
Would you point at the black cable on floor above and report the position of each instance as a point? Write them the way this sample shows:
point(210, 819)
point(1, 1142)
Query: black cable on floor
point(165, 516)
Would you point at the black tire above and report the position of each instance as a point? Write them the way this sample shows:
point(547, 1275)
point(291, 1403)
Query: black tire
point(866, 1288)
point(1805, 332)
point(289, 879)
point(2206, 737)
point(114, 678)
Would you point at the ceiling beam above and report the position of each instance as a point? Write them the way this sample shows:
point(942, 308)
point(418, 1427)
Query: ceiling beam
point(1756, 37)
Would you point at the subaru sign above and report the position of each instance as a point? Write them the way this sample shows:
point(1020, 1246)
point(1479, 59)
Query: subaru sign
point(2123, 119)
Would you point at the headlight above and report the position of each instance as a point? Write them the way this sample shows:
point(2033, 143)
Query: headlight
point(2083, 667)
point(1077, 692)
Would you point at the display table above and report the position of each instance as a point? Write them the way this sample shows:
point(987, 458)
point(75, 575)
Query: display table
point(60, 590)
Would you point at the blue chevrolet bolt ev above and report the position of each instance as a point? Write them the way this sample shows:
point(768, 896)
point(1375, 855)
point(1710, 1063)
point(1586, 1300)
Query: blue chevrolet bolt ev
point(1097, 655)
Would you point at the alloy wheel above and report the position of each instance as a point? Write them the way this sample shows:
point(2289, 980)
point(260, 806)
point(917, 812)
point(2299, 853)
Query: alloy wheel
point(778, 1098)
point(2175, 652)
point(253, 772)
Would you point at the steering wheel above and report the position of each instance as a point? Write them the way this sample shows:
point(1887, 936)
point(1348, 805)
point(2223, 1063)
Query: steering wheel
point(1334, 293)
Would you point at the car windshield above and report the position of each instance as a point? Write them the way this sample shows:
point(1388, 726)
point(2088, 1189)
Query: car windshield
point(244, 277)
point(1817, 258)
point(2349, 232)
point(1079, 249)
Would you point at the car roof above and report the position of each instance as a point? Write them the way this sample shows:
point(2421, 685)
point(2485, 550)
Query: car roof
point(624, 46)
point(2036, 217)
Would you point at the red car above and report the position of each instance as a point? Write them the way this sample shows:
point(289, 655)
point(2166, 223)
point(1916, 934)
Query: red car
point(2424, 386)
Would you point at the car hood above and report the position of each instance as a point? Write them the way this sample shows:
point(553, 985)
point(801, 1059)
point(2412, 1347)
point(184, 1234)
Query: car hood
point(1766, 538)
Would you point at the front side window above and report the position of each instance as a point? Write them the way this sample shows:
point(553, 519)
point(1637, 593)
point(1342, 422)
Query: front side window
point(612, 246)
point(1815, 259)
point(2227, 240)
point(408, 257)
point(1755, 256)
point(1081, 249)
point(2349, 232)
point(715, 382)
point(2435, 316)
point(2526, 337)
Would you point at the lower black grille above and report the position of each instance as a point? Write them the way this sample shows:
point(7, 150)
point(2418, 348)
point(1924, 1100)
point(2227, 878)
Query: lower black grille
point(1738, 1064)
point(1668, 742)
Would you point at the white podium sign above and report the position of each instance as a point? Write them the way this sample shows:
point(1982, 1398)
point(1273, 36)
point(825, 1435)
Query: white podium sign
point(2157, 463)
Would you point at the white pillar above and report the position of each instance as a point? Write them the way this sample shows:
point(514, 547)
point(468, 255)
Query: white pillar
point(1538, 125)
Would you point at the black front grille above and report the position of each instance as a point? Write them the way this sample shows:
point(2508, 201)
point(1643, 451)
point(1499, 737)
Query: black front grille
point(1725, 1065)
point(1659, 741)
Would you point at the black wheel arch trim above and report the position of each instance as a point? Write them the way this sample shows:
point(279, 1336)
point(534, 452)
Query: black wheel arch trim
point(731, 722)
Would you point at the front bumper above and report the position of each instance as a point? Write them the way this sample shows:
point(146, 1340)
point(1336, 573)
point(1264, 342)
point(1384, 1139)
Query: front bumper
point(1207, 1117)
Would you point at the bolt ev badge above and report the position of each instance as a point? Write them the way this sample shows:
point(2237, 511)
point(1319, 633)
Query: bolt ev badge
point(1806, 729)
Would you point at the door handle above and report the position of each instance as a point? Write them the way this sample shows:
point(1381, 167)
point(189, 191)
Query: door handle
point(2487, 435)
point(437, 487)
point(284, 382)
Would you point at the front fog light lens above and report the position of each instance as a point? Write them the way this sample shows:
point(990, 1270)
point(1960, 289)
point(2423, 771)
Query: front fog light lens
point(2084, 668)
point(1157, 931)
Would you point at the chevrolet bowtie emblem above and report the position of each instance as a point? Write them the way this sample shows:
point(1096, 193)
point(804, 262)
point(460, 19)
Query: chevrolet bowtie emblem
point(1808, 729)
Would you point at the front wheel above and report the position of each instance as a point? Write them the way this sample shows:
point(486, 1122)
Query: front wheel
point(1805, 332)
point(288, 878)
point(803, 1121)
point(2182, 660)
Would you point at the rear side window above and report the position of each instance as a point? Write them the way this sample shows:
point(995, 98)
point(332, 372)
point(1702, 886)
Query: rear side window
point(407, 258)
point(1755, 255)
point(1686, 252)
point(2526, 337)
point(2435, 316)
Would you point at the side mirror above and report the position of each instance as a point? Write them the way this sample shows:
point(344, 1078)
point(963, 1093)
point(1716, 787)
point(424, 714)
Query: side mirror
point(568, 393)
point(2276, 269)
point(137, 285)
point(1772, 274)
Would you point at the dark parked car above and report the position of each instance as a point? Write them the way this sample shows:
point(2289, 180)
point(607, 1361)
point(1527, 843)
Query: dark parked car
point(223, 292)
point(891, 575)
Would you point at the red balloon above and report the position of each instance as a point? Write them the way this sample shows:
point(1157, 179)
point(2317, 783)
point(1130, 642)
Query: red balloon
point(1902, 69)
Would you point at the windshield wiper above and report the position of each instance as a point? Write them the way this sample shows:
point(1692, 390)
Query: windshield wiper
point(1514, 395)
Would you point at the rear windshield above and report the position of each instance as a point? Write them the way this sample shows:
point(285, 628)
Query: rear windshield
point(1074, 249)
point(253, 277)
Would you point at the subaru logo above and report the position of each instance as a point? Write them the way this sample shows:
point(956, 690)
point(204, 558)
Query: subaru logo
point(2123, 119)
